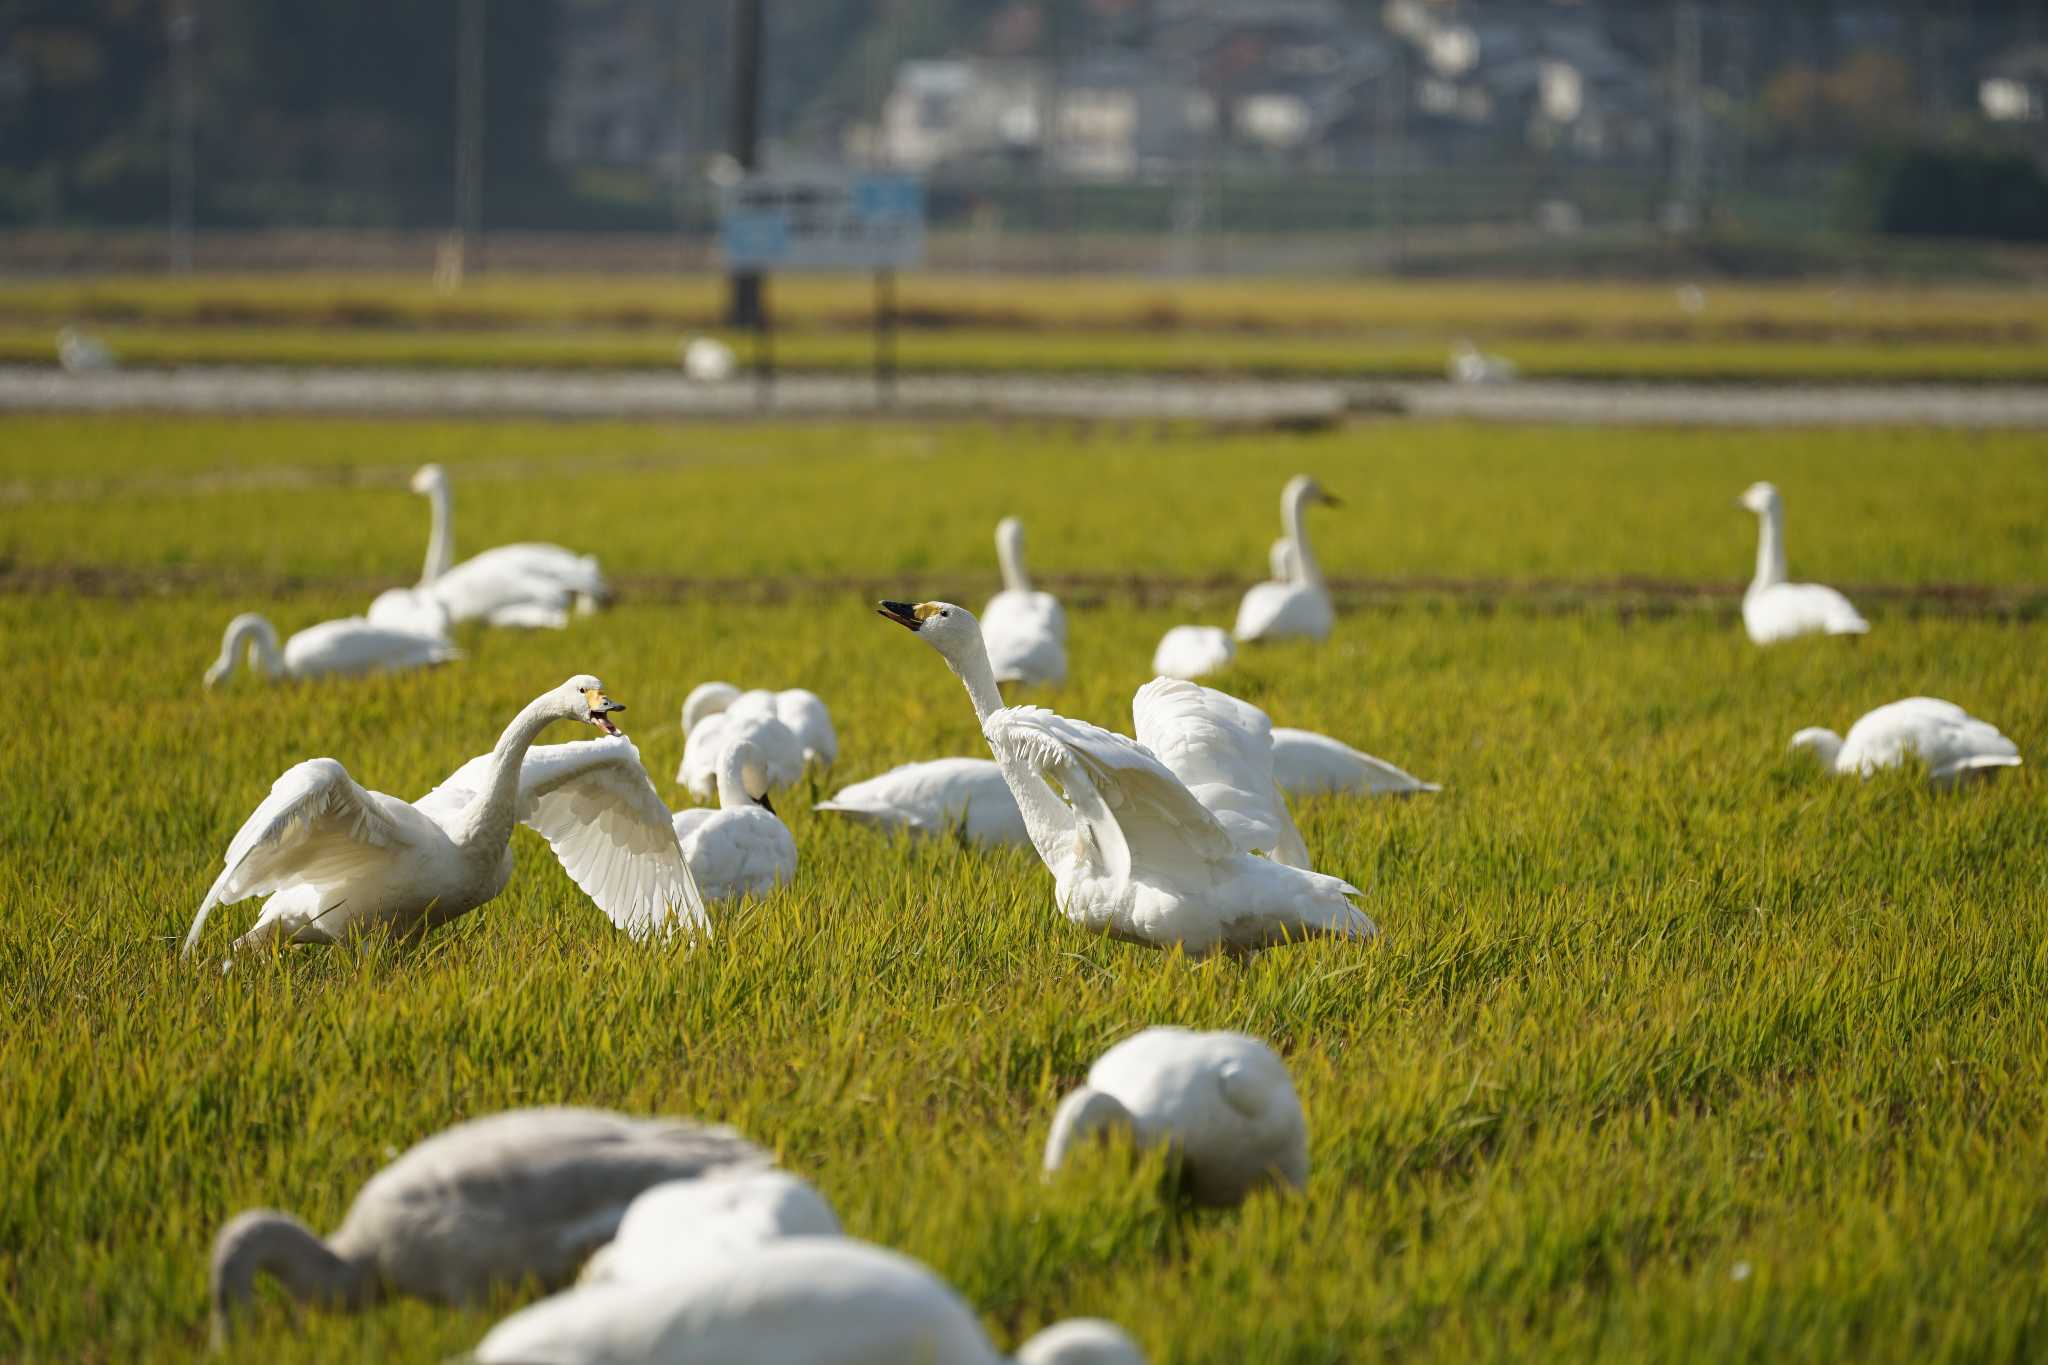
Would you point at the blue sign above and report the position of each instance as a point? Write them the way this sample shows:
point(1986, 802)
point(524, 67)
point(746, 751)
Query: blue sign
point(824, 221)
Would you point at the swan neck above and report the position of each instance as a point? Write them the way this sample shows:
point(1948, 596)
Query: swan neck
point(1010, 555)
point(441, 539)
point(978, 676)
point(262, 1241)
point(1306, 568)
point(260, 637)
point(487, 824)
point(1770, 547)
point(732, 781)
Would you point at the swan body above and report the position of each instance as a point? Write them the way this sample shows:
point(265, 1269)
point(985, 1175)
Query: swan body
point(741, 848)
point(78, 351)
point(1223, 1101)
point(1133, 852)
point(681, 1222)
point(1470, 365)
point(1193, 652)
point(334, 859)
point(1025, 630)
point(1221, 748)
point(707, 360)
point(1298, 605)
point(800, 1301)
point(330, 649)
point(1308, 764)
point(803, 713)
point(523, 1194)
point(967, 794)
point(1949, 740)
point(779, 752)
point(1773, 609)
point(528, 584)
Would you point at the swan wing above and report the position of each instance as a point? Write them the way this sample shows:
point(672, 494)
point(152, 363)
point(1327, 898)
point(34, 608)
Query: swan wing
point(1221, 748)
point(317, 825)
point(1945, 736)
point(1306, 763)
point(934, 796)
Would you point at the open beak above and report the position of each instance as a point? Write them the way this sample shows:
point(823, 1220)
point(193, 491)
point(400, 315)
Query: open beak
point(601, 709)
point(902, 613)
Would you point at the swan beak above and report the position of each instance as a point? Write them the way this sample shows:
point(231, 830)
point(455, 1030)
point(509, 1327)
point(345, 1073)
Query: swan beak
point(601, 708)
point(764, 803)
point(1332, 500)
point(902, 613)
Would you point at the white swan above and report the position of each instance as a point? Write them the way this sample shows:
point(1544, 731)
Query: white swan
point(1193, 652)
point(682, 1222)
point(740, 848)
point(1308, 764)
point(1300, 605)
point(79, 351)
point(814, 1300)
point(803, 712)
point(332, 648)
point(520, 1195)
point(1221, 748)
point(334, 859)
point(529, 584)
point(1949, 740)
point(1025, 630)
point(1773, 609)
point(1280, 559)
point(941, 794)
point(1132, 851)
point(706, 360)
point(707, 737)
point(1224, 1102)
point(1470, 365)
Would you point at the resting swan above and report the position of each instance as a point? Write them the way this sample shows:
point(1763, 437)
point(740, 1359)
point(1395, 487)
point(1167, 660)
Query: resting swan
point(1193, 652)
point(1025, 630)
point(1308, 764)
point(964, 794)
point(485, 1205)
point(1300, 604)
point(335, 859)
point(1949, 740)
point(1773, 609)
point(681, 1222)
point(1133, 852)
point(1224, 1102)
point(815, 1300)
point(529, 584)
point(710, 726)
point(331, 648)
point(740, 848)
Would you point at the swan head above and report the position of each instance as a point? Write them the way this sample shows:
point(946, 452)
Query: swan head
point(1304, 489)
point(1824, 744)
point(706, 699)
point(247, 624)
point(1081, 1341)
point(945, 626)
point(429, 478)
point(1760, 498)
point(1084, 1114)
point(1009, 532)
point(582, 698)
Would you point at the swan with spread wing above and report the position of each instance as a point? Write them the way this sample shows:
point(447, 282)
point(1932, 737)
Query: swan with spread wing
point(333, 858)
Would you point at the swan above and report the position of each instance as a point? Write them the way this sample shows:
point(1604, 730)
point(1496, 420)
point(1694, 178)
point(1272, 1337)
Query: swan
point(528, 584)
point(680, 1222)
point(967, 794)
point(1132, 851)
point(1308, 764)
point(1193, 652)
point(1949, 740)
point(803, 711)
point(1221, 748)
point(706, 360)
point(78, 351)
point(1470, 365)
point(1223, 1101)
point(741, 848)
point(1025, 630)
point(708, 734)
point(334, 859)
point(815, 1300)
point(1299, 605)
point(1280, 559)
point(1773, 609)
point(520, 1195)
point(331, 648)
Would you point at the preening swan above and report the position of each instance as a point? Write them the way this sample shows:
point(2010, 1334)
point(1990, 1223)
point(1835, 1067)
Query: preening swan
point(741, 848)
point(1224, 1102)
point(815, 1300)
point(777, 750)
point(1949, 740)
point(1308, 764)
point(334, 859)
point(1299, 605)
point(1132, 851)
point(332, 648)
point(1193, 652)
point(529, 584)
point(803, 712)
point(1025, 630)
point(681, 1222)
point(1774, 609)
point(524, 1194)
point(964, 794)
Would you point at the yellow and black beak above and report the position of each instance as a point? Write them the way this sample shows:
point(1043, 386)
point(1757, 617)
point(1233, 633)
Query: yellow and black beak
point(601, 709)
point(1332, 500)
point(904, 614)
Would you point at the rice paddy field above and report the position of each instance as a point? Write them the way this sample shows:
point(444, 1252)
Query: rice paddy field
point(1671, 1047)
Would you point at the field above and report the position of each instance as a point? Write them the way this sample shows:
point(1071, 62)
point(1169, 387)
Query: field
point(1061, 324)
point(1671, 1047)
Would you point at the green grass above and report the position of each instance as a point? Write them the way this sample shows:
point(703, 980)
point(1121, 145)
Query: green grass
point(1672, 1048)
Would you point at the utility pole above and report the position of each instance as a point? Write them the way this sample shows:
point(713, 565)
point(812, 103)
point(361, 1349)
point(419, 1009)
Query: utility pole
point(184, 135)
point(469, 135)
point(743, 307)
point(1688, 191)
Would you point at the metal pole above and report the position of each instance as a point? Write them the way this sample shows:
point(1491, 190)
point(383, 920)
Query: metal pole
point(184, 135)
point(1689, 180)
point(744, 304)
point(885, 337)
point(469, 132)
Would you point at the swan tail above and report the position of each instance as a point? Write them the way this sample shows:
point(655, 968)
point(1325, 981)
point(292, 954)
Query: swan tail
point(1985, 762)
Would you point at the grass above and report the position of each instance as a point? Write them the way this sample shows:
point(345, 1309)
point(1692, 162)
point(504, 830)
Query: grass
point(1672, 1047)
